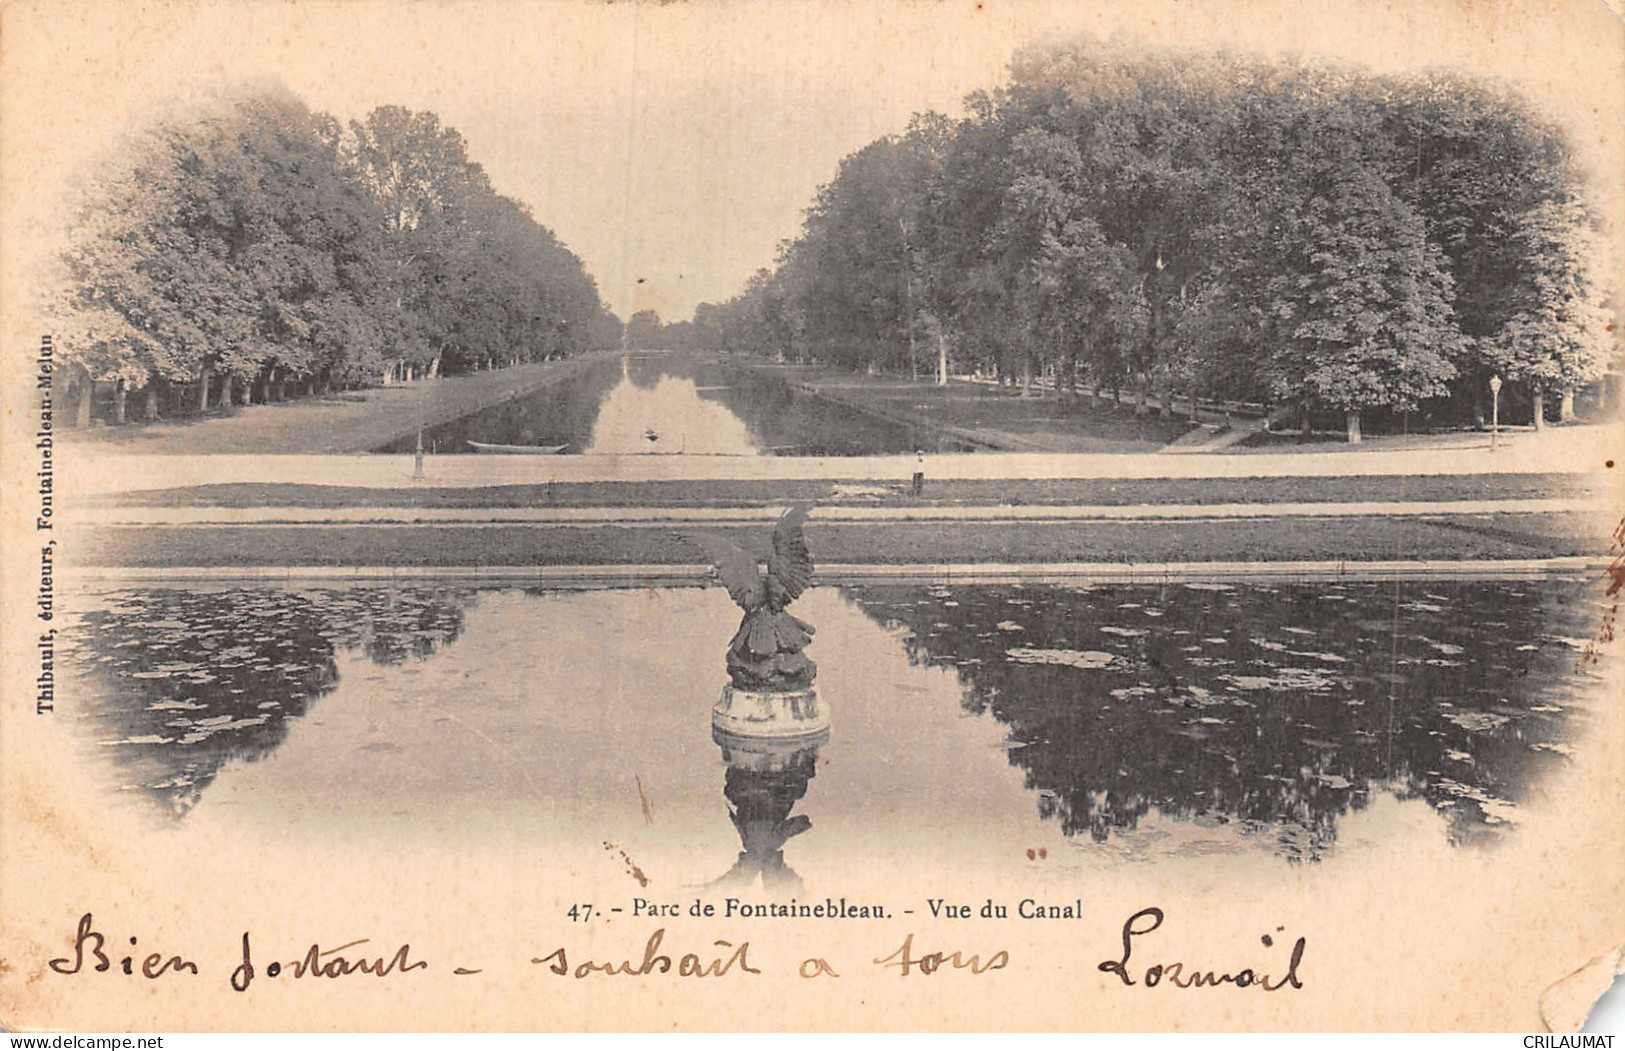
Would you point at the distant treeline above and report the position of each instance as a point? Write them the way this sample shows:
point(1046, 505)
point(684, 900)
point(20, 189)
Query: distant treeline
point(1322, 239)
point(258, 246)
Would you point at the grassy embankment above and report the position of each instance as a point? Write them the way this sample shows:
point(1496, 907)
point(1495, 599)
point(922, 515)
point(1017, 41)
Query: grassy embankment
point(947, 493)
point(354, 422)
point(1327, 539)
point(995, 418)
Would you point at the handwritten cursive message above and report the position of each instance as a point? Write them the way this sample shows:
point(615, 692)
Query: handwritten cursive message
point(1140, 964)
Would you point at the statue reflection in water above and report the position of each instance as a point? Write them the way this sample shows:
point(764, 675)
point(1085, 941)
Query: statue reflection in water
point(765, 780)
point(768, 722)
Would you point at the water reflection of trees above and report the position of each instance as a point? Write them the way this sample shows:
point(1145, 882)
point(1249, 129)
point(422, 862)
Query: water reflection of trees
point(645, 371)
point(1280, 708)
point(562, 413)
point(789, 422)
point(176, 683)
point(779, 418)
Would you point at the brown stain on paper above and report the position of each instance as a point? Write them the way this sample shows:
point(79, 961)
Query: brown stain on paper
point(632, 868)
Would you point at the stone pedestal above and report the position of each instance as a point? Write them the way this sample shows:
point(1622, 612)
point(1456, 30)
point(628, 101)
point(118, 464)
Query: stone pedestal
point(769, 714)
point(769, 755)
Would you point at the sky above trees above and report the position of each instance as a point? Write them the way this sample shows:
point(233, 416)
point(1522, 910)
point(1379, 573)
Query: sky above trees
point(673, 147)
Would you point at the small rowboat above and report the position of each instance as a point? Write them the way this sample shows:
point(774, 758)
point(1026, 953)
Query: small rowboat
point(517, 450)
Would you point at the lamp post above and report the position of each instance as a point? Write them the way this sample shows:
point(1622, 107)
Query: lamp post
point(1495, 410)
point(417, 454)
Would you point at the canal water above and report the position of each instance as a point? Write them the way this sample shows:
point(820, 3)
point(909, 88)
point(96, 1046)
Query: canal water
point(1095, 725)
point(670, 403)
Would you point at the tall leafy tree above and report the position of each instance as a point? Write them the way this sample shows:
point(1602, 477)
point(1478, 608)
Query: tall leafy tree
point(1211, 222)
point(1558, 335)
point(255, 243)
point(1370, 314)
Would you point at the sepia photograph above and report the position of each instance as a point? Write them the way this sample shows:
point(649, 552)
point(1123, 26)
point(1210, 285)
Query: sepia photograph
point(860, 515)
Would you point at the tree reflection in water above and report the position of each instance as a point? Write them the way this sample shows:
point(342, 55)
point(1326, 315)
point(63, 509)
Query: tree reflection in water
point(778, 418)
point(176, 683)
point(562, 413)
point(1279, 708)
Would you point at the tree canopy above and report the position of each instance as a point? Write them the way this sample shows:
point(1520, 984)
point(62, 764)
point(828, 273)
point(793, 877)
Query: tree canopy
point(259, 243)
point(1297, 234)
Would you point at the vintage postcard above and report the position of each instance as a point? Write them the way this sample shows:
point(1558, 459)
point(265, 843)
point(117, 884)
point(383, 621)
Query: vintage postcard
point(846, 515)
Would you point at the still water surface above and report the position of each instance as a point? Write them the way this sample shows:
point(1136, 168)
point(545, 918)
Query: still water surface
point(1123, 722)
point(653, 404)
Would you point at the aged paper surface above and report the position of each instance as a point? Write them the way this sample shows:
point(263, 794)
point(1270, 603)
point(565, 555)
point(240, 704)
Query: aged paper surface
point(480, 779)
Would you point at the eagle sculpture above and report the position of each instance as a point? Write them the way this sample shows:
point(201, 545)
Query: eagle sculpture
point(766, 652)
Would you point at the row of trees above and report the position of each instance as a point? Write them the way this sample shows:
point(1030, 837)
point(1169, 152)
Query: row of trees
point(258, 245)
point(1209, 225)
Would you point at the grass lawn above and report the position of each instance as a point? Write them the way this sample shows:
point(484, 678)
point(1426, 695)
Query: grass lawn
point(1001, 417)
point(1345, 539)
point(1105, 492)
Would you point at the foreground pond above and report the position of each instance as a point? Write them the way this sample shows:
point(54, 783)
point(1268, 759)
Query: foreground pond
point(1124, 721)
point(653, 404)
